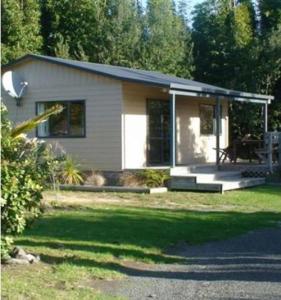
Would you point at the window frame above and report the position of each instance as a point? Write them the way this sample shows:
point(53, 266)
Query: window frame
point(213, 120)
point(67, 102)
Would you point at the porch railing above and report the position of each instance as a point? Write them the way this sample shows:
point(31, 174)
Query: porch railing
point(272, 142)
point(268, 150)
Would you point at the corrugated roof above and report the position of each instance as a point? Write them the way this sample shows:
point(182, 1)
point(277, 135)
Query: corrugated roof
point(143, 76)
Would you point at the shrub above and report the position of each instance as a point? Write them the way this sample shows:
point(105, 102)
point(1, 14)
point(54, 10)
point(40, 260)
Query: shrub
point(26, 165)
point(153, 178)
point(95, 178)
point(131, 179)
point(69, 172)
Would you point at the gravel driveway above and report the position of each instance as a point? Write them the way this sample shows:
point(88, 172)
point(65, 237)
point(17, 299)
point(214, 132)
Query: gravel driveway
point(245, 267)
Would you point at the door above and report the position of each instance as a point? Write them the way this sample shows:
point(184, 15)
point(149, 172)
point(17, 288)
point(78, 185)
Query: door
point(158, 132)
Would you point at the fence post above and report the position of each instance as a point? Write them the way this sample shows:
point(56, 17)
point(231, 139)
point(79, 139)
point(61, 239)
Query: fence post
point(269, 140)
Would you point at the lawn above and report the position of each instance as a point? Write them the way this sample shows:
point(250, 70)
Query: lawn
point(87, 236)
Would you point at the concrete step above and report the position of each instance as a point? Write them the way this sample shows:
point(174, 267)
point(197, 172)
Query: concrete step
point(193, 184)
point(176, 185)
point(234, 184)
point(186, 170)
point(206, 176)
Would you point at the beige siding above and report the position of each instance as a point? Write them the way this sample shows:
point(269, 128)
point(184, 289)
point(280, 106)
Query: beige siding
point(101, 148)
point(191, 146)
point(135, 122)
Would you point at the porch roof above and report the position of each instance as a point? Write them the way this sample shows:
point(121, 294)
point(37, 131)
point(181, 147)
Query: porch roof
point(176, 85)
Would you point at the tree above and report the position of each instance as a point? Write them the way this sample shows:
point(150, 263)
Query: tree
point(166, 39)
point(212, 43)
point(74, 28)
point(124, 32)
point(26, 165)
point(223, 35)
point(270, 15)
point(20, 28)
point(269, 74)
point(225, 54)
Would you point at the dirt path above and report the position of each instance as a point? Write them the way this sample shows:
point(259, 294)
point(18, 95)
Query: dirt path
point(245, 267)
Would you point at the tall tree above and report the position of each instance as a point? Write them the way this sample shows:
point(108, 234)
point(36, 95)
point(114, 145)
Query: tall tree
point(166, 39)
point(104, 31)
point(268, 49)
point(70, 26)
point(124, 32)
point(223, 34)
point(270, 15)
point(20, 28)
point(268, 74)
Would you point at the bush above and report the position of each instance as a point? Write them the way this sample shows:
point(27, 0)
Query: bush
point(95, 178)
point(131, 179)
point(153, 178)
point(69, 172)
point(26, 167)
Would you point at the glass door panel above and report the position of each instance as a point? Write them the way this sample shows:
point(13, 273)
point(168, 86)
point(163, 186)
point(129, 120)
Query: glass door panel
point(158, 132)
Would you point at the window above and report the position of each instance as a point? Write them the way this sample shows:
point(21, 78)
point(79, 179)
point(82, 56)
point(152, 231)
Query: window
point(69, 123)
point(208, 119)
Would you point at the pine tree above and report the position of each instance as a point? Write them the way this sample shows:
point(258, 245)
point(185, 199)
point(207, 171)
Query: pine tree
point(74, 27)
point(165, 39)
point(270, 15)
point(124, 24)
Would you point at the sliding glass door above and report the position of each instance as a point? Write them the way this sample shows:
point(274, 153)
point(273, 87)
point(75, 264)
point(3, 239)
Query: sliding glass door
point(158, 132)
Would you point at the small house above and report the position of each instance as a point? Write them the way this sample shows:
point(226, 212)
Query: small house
point(118, 118)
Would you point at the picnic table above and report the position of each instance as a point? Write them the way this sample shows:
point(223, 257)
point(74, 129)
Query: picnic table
point(244, 149)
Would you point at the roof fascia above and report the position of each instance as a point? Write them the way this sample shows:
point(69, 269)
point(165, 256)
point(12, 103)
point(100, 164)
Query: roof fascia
point(17, 61)
point(219, 92)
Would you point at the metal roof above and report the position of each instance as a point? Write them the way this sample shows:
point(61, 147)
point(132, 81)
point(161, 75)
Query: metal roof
point(146, 77)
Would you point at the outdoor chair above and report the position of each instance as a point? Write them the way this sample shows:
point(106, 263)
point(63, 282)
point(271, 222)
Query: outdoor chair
point(226, 153)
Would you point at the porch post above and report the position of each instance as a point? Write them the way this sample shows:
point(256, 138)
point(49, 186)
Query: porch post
point(172, 130)
point(265, 115)
point(218, 129)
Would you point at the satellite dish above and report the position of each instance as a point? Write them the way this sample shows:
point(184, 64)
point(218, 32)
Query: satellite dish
point(14, 85)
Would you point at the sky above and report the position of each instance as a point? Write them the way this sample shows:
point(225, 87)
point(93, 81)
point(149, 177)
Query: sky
point(191, 3)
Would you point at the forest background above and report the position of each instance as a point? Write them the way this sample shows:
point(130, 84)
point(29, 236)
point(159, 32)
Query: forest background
point(235, 44)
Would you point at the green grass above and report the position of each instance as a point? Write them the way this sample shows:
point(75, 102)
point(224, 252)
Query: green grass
point(92, 235)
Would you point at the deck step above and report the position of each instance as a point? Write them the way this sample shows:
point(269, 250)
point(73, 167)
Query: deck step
point(192, 186)
point(185, 183)
point(206, 176)
point(234, 184)
point(186, 170)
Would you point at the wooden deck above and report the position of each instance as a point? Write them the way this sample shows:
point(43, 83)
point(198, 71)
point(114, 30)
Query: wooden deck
point(208, 178)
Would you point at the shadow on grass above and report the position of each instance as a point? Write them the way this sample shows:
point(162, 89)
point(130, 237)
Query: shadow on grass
point(143, 227)
point(117, 231)
point(116, 252)
point(247, 269)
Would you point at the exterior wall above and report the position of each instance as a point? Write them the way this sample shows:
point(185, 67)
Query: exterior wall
point(191, 147)
point(101, 148)
point(135, 122)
